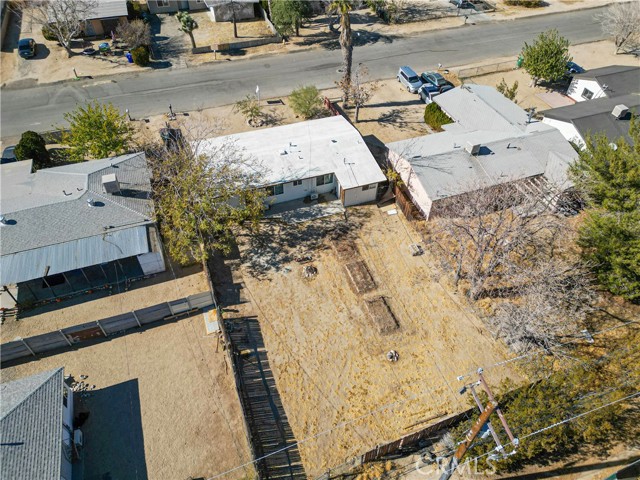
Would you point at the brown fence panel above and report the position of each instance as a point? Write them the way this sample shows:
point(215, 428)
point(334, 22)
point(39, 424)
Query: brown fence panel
point(403, 200)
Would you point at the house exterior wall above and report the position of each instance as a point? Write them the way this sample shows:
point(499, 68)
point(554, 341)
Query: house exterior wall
point(578, 85)
point(567, 129)
point(96, 27)
point(357, 196)
point(67, 433)
point(295, 192)
point(419, 196)
point(158, 6)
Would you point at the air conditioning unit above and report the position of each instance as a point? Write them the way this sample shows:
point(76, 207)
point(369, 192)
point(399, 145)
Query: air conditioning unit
point(619, 111)
point(473, 148)
point(78, 438)
point(314, 196)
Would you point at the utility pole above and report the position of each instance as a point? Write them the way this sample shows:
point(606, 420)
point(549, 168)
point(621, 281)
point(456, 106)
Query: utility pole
point(485, 414)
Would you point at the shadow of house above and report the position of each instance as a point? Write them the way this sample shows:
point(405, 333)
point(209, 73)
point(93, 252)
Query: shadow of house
point(113, 433)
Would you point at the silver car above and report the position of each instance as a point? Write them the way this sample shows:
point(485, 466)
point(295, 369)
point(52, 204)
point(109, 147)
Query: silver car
point(410, 79)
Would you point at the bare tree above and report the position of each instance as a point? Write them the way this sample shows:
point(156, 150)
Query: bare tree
point(360, 89)
point(66, 19)
point(622, 21)
point(548, 304)
point(482, 234)
point(135, 33)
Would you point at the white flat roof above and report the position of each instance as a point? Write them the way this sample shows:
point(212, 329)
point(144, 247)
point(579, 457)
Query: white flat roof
point(307, 149)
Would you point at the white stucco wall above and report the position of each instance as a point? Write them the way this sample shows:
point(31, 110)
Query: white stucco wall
point(412, 182)
point(579, 84)
point(67, 431)
point(357, 196)
point(567, 129)
point(295, 192)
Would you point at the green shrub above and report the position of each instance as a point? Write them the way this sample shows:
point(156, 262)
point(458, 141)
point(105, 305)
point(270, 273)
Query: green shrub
point(435, 117)
point(525, 3)
point(48, 34)
point(140, 56)
point(306, 101)
point(32, 146)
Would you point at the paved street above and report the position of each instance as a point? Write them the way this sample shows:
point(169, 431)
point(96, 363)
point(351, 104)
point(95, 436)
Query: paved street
point(150, 93)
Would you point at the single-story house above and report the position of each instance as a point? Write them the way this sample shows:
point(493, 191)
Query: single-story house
point(612, 81)
point(307, 159)
point(608, 116)
point(74, 228)
point(491, 142)
point(105, 16)
point(220, 10)
point(36, 425)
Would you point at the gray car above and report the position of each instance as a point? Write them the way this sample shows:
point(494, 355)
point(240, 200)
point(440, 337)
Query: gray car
point(9, 154)
point(410, 79)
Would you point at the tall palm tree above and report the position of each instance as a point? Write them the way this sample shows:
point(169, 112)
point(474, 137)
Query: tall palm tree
point(343, 7)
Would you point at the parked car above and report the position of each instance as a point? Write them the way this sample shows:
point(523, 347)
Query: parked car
point(462, 3)
point(410, 79)
point(8, 154)
point(27, 47)
point(574, 68)
point(428, 91)
point(434, 79)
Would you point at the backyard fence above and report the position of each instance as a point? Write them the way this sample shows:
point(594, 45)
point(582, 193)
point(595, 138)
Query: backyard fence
point(70, 336)
point(486, 69)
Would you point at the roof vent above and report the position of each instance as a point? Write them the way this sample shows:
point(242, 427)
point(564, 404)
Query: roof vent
point(3, 221)
point(619, 111)
point(110, 183)
point(91, 202)
point(472, 148)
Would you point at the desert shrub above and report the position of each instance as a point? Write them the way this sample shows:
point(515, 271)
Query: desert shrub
point(48, 34)
point(305, 101)
point(525, 3)
point(435, 117)
point(140, 56)
point(508, 91)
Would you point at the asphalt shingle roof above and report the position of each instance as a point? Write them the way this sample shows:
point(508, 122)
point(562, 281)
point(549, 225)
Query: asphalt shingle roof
point(619, 79)
point(31, 427)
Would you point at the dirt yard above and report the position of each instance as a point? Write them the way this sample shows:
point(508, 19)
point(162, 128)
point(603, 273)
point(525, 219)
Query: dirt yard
point(328, 344)
point(86, 308)
point(164, 404)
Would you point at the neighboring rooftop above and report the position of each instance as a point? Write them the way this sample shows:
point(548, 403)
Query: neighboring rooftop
point(108, 9)
point(619, 79)
point(595, 116)
point(31, 426)
point(511, 147)
point(307, 149)
point(63, 218)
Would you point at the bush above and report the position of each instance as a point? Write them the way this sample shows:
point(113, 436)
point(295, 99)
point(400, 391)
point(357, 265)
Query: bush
point(48, 34)
point(32, 146)
point(525, 3)
point(435, 117)
point(305, 101)
point(140, 56)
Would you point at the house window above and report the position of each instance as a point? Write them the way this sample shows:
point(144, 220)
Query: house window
point(369, 187)
point(587, 94)
point(324, 179)
point(275, 190)
point(162, 3)
point(297, 183)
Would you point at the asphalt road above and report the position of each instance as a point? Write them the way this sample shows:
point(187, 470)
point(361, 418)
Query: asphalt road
point(150, 93)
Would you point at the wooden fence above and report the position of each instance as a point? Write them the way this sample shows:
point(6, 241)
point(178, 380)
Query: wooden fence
point(70, 336)
point(403, 200)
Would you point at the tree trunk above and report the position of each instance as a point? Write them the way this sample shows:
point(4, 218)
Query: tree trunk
point(67, 48)
point(269, 6)
point(346, 42)
point(357, 112)
point(297, 28)
point(235, 26)
point(193, 40)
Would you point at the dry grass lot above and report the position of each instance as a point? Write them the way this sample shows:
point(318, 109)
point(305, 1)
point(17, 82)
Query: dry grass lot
point(164, 406)
point(326, 342)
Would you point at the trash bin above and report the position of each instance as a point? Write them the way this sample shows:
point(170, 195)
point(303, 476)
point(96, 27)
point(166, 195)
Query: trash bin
point(519, 61)
point(129, 57)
